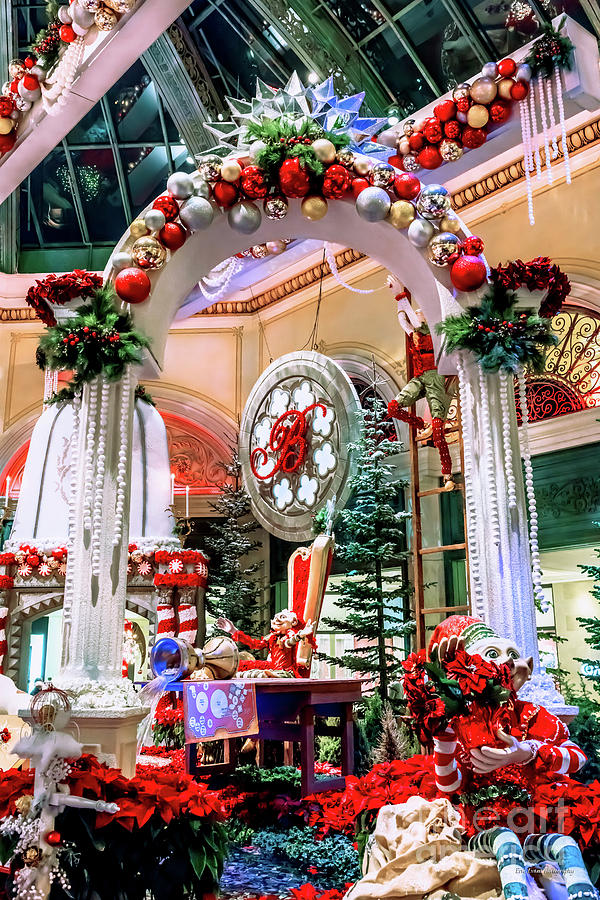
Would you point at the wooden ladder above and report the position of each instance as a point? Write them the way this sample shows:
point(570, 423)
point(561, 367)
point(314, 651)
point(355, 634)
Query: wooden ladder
point(418, 551)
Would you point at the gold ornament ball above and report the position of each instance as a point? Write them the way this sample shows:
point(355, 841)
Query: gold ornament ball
point(443, 248)
point(478, 116)
point(276, 247)
point(450, 151)
point(231, 170)
point(314, 208)
point(105, 19)
point(362, 165)
point(148, 253)
point(6, 125)
point(407, 128)
point(23, 803)
point(403, 146)
point(16, 69)
point(461, 92)
point(401, 214)
point(345, 157)
point(451, 224)
point(324, 149)
point(504, 88)
point(483, 90)
point(138, 228)
point(121, 6)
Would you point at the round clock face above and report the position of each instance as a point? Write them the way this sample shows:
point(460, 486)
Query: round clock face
point(299, 422)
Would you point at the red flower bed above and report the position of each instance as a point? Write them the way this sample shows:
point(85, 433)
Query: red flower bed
point(539, 274)
point(60, 289)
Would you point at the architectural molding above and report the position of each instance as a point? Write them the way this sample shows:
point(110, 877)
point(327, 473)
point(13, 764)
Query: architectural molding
point(17, 314)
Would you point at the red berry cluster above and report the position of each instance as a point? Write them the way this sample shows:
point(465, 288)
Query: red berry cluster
point(291, 142)
point(87, 334)
point(496, 325)
point(49, 41)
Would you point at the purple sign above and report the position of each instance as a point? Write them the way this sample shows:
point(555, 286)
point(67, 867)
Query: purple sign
point(218, 709)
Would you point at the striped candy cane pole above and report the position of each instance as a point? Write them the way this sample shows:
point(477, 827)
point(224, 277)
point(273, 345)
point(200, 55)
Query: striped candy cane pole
point(188, 622)
point(165, 618)
point(447, 774)
point(563, 850)
point(503, 845)
point(3, 641)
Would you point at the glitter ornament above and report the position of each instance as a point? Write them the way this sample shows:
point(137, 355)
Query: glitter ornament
point(209, 166)
point(275, 207)
point(443, 249)
point(259, 251)
point(253, 183)
point(168, 207)
point(345, 157)
point(473, 137)
point(450, 151)
point(499, 112)
point(408, 127)
point(468, 273)
point(472, 245)
point(104, 18)
point(293, 178)
point(172, 236)
point(225, 194)
point(434, 201)
point(445, 110)
point(336, 182)
point(483, 90)
point(7, 105)
point(148, 253)
point(314, 208)
point(196, 213)
point(90, 5)
point(401, 214)
point(416, 142)
point(433, 131)
point(180, 185)
point(407, 186)
point(373, 204)
point(133, 286)
point(452, 130)
point(154, 220)
point(138, 228)
point(121, 6)
point(477, 116)
point(429, 158)
point(324, 150)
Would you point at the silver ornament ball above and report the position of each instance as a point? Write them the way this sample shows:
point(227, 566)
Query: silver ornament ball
point(382, 175)
point(26, 94)
point(434, 201)
point(420, 232)
point(489, 70)
point(64, 15)
point(244, 217)
point(121, 260)
point(524, 72)
point(209, 166)
point(181, 185)
point(154, 220)
point(39, 72)
point(254, 149)
point(443, 248)
point(373, 204)
point(411, 163)
point(201, 187)
point(197, 213)
point(81, 16)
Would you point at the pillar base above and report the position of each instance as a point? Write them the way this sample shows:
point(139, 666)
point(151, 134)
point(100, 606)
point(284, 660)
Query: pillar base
point(111, 735)
point(87, 693)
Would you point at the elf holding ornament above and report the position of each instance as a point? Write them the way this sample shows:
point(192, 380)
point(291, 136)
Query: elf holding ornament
point(426, 381)
point(282, 642)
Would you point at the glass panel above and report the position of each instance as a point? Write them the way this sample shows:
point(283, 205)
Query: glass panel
point(359, 17)
point(134, 107)
point(91, 130)
point(509, 25)
point(98, 187)
point(433, 31)
point(50, 198)
point(29, 20)
point(399, 71)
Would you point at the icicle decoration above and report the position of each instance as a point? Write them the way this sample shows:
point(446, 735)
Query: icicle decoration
point(534, 134)
point(99, 480)
point(511, 488)
point(331, 262)
point(90, 451)
point(489, 457)
point(123, 454)
point(544, 120)
point(527, 157)
point(477, 599)
point(50, 385)
point(552, 117)
point(536, 569)
point(558, 89)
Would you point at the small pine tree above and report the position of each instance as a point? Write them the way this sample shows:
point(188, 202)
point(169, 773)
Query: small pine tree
point(373, 535)
point(393, 743)
point(233, 590)
point(592, 625)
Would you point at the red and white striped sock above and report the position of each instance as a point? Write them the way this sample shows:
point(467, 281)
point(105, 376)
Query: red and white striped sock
point(165, 620)
point(3, 641)
point(447, 773)
point(188, 622)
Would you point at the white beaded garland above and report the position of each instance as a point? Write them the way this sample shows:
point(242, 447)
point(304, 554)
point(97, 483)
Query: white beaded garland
point(466, 411)
point(90, 451)
point(534, 135)
point(536, 569)
point(489, 457)
point(542, 104)
point(527, 157)
point(99, 481)
point(563, 128)
point(57, 86)
point(511, 489)
point(333, 268)
point(123, 455)
point(552, 117)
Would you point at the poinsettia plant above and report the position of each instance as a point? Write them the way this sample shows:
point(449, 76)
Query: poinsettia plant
point(539, 274)
point(56, 290)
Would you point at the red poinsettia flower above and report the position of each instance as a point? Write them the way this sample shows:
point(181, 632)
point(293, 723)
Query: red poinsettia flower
point(471, 672)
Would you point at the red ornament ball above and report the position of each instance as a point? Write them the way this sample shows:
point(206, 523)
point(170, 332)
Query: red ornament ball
point(30, 82)
point(67, 34)
point(7, 141)
point(445, 110)
point(7, 105)
point(473, 137)
point(358, 185)
point(53, 838)
point(172, 236)
point(472, 245)
point(253, 183)
point(132, 285)
point(433, 131)
point(468, 273)
point(225, 193)
point(416, 141)
point(293, 178)
point(507, 67)
point(168, 206)
point(336, 182)
point(395, 161)
point(430, 158)
point(453, 130)
point(463, 104)
point(519, 90)
point(407, 186)
point(499, 112)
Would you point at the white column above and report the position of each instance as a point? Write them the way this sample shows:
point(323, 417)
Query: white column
point(497, 534)
point(96, 580)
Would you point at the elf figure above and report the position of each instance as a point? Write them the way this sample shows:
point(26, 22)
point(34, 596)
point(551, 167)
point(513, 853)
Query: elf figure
point(426, 381)
point(287, 631)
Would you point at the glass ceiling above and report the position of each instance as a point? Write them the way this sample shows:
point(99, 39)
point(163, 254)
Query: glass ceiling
point(403, 53)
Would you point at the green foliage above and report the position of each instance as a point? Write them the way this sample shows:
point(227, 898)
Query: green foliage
point(592, 625)
point(239, 833)
point(371, 712)
point(498, 335)
point(329, 749)
point(334, 856)
point(99, 339)
point(551, 50)
point(393, 743)
point(279, 779)
point(585, 732)
point(65, 395)
point(171, 736)
point(372, 602)
point(284, 139)
point(142, 394)
point(233, 587)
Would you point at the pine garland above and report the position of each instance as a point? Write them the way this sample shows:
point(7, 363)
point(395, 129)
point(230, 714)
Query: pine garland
point(99, 339)
point(498, 335)
point(551, 50)
point(142, 394)
point(285, 140)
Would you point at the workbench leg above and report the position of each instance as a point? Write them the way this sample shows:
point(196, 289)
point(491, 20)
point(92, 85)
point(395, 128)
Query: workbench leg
point(347, 723)
point(288, 753)
point(191, 759)
point(307, 728)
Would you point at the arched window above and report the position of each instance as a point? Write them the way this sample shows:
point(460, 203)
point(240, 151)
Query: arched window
point(571, 380)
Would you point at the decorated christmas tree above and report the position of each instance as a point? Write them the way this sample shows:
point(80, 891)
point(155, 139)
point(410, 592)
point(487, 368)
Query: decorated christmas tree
point(373, 541)
point(234, 589)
